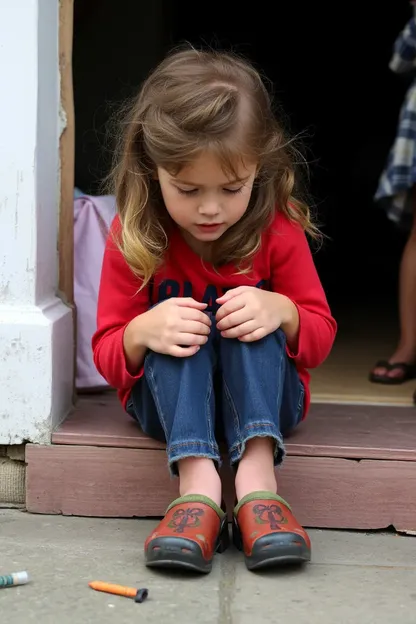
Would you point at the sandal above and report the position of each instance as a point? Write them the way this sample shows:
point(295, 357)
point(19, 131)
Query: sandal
point(409, 372)
point(192, 531)
point(265, 529)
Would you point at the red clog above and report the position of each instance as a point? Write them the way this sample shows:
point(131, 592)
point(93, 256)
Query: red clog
point(268, 533)
point(192, 531)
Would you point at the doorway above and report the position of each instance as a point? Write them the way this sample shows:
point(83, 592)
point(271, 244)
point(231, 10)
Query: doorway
point(332, 79)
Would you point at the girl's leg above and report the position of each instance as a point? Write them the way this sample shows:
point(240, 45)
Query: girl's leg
point(263, 400)
point(174, 402)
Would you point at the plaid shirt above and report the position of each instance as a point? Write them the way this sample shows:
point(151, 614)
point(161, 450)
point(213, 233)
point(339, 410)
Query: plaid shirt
point(399, 175)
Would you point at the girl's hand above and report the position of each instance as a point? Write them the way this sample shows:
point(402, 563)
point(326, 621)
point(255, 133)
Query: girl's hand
point(177, 327)
point(249, 313)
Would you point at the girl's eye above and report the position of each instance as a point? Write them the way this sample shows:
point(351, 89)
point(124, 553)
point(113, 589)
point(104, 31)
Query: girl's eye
point(190, 192)
point(194, 191)
point(233, 191)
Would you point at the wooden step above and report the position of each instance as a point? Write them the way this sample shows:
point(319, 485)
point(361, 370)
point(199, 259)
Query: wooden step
point(347, 466)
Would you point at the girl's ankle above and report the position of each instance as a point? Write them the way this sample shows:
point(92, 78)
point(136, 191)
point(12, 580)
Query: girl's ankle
point(255, 471)
point(199, 476)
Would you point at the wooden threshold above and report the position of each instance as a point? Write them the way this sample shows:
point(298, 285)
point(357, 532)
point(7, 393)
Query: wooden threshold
point(348, 431)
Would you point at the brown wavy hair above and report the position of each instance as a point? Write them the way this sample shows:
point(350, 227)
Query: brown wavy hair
point(192, 102)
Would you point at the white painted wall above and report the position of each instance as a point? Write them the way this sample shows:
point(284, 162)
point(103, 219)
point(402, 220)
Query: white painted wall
point(36, 333)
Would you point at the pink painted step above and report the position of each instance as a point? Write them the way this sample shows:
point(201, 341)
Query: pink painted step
point(348, 466)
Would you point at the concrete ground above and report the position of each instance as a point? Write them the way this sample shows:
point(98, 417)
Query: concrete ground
point(354, 577)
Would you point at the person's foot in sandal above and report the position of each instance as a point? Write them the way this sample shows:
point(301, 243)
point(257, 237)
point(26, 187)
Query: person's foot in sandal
point(392, 373)
point(192, 531)
point(265, 529)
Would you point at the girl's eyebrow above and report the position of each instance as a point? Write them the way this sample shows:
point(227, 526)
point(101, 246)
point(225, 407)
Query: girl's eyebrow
point(185, 183)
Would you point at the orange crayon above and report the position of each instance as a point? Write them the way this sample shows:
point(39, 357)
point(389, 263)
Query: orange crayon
point(138, 595)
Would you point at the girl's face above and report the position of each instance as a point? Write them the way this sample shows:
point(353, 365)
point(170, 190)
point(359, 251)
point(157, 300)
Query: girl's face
point(203, 201)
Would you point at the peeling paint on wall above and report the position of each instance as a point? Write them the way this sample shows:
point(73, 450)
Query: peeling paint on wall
point(36, 337)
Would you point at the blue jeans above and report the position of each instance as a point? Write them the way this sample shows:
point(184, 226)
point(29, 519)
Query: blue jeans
point(228, 391)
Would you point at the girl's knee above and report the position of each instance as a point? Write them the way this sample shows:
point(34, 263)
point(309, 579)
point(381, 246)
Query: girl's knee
point(161, 362)
point(273, 340)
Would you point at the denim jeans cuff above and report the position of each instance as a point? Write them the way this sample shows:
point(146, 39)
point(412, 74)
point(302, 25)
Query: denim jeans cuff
point(193, 448)
point(258, 430)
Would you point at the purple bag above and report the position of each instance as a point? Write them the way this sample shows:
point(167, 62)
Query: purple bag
point(92, 220)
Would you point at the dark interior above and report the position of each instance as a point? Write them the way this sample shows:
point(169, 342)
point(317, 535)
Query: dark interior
point(332, 78)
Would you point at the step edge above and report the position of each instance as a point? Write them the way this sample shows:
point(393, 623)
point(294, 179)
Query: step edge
point(294, 450)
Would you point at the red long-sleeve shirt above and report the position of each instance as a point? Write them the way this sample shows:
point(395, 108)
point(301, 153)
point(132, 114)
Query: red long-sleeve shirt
point(284, 264)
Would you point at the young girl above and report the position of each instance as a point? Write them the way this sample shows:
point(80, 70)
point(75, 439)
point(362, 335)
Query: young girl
point(210, 307)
